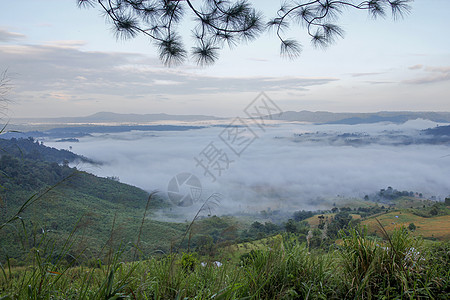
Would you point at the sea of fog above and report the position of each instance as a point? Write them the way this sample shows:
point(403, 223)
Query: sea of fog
point(277, 167)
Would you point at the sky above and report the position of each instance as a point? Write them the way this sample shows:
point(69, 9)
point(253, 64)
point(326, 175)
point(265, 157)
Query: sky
point(65, 61)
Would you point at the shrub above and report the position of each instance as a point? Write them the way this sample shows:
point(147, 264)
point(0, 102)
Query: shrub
point(189, 261)
point(395, 268)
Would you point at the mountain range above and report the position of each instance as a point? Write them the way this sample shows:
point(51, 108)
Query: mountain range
point(322, 117)
point(319, 117)
point(109, 117)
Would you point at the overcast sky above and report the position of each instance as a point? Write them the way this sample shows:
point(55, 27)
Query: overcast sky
point(64, 61)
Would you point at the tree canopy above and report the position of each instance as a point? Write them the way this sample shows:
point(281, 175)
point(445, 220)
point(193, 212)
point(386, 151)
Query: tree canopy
point(219, 23)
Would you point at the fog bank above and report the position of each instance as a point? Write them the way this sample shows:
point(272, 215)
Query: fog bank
point(277, 170)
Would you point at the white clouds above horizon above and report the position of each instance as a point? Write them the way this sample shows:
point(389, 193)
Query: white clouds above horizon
point(49, 71)
point(430, 74)
point(8, 36)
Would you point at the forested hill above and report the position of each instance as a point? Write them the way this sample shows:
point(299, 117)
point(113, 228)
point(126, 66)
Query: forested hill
point(26, 175)
point(35, 150)
point(27, 165)
point(20, 177)
point(73, 195)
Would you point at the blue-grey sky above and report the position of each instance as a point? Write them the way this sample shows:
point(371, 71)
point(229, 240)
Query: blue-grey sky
point(65, 61)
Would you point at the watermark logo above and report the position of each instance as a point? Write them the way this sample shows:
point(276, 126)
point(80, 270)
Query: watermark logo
point(262, 108)
point(238, 136)
point(213, 160)
point(184, 189)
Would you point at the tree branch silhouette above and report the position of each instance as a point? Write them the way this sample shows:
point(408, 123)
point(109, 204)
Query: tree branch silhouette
point(229, 22)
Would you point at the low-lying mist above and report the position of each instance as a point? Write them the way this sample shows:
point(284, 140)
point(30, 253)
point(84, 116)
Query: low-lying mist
point(278, 170)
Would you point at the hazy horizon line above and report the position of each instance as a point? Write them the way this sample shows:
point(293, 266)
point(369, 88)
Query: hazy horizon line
point(225, 117)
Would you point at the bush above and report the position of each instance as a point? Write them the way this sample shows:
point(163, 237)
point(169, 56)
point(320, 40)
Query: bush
point(394, 268)
point(189, 261)
point(411, 227)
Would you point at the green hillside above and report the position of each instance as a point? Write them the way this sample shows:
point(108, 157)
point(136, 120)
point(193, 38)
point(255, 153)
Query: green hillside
point(78, 200)
point(102, 210)
point(33, 149)
point(67, 234)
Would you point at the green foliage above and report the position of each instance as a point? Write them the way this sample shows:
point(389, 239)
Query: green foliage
point(287, 268)
point(34, 150)
point(394, 268)
point(391, 194)
point(64, 247)
point(259, 231)
point(207, 234)
point(76, 195)
point(369, 211)
point(290, 226)
point(189, 261)
point(205, 245)
point(30, 175)
point(399, 267)
point(302, 215)
point(300, 228)
point(341, 221)
point(437, 209)
point(247, 258)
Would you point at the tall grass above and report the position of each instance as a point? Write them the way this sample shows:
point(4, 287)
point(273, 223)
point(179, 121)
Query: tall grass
point(359, 267)
point(287, 270)
point(396, 267)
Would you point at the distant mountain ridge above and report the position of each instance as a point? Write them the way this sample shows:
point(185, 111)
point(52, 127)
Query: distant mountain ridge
point(72, 133)
point(360, 118)
point(109, 117)
point(319, 117)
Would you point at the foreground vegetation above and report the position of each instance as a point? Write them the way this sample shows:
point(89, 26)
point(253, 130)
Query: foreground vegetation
point(359, 267)
point(85, 237)
point(59, 198)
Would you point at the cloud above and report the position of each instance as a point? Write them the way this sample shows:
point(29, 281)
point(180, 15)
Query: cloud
point(416, 67)
point(166, 82)
point(7, 36)
point(59, 96)
point(66, 43)
point(61, 66)
point(276, 170)
point(257, 59)
point(438, 69)
point(379, 82)
point(366, 74)
point(429, 79)
point(433, 75)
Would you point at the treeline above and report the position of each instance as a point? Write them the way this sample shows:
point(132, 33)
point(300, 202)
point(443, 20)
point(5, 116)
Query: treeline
point(437, 209)
point(389, 194)
point(212, 233)
point(33, 149)
point(30, 175)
